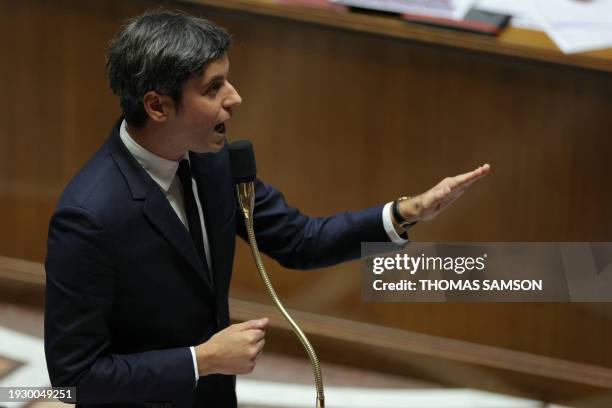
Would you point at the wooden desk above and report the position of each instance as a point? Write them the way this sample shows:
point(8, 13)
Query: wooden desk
point(529, 44)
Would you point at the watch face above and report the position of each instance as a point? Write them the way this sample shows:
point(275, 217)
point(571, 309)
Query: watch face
point(398, 217)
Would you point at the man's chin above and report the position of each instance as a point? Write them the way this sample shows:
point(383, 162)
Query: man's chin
point(218, 145)
point(213, 147)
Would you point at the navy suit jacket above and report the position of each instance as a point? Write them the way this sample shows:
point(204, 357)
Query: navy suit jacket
point(126, 294)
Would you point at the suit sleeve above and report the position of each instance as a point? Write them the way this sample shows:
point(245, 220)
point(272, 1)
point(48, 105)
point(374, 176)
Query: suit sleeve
point(81, 286)
point(298, 241)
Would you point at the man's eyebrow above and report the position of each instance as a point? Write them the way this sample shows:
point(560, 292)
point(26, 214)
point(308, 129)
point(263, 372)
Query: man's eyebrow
point(215, 78)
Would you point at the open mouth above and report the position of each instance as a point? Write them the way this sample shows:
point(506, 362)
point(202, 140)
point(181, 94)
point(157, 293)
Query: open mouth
point(220, 128)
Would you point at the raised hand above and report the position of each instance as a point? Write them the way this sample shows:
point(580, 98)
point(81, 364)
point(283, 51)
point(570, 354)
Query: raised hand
point(426, 206)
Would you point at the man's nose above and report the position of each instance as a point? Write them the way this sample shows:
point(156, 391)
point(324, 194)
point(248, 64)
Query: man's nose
point(234, 98)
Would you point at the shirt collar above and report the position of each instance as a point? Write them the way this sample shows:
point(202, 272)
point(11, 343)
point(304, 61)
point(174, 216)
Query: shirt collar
point(161, 170)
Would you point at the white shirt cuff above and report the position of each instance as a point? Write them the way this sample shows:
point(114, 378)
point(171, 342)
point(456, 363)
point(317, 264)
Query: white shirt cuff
point(195, 363)
point(389, 228)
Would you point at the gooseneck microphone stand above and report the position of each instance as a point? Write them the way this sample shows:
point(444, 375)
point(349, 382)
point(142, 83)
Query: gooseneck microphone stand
point(242, 161)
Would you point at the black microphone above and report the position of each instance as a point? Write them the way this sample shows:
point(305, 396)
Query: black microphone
point(242, 159)
point(242, 162)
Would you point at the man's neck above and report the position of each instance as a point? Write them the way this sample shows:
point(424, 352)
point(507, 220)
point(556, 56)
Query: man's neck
point(154, 140)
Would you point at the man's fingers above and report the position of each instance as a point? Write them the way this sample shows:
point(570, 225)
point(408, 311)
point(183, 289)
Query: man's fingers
point(464, 180)
point(260, 344)
point(435, 196)
point(260, 347)
point(252, 324)
point(257, 334)
point(480, 173)
point(453, 186)
point(447, 191)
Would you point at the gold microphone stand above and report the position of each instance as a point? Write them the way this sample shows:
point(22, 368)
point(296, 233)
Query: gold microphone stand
point(246, 200)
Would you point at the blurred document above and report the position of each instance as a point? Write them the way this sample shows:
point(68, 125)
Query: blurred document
point(454, 9)
point(576, 11)
point(324, 4)
point(577, 25)
point(522, 12)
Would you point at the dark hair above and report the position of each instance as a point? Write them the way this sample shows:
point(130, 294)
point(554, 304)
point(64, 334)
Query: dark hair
point(158, 51)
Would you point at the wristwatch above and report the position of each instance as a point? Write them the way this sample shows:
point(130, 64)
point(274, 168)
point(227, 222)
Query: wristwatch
point(398, 217)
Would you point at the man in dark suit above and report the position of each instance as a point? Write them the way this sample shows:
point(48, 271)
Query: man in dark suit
point(141, 243)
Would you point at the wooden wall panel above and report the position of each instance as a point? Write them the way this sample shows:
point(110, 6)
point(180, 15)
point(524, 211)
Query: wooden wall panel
point(341, 120)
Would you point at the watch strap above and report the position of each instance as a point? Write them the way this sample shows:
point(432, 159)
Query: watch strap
point(399, 219)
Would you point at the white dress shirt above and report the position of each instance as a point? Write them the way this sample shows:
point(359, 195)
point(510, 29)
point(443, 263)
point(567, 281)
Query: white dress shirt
point(163, 172)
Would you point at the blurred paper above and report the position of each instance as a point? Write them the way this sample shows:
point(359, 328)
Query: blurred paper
point(522, 12)
point(576, 11)
point(574, 25)
point(577, 26)
point(454, 9)
point(324, 4)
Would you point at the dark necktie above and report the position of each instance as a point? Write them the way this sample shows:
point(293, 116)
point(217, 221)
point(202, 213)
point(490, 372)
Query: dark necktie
point(193, 217)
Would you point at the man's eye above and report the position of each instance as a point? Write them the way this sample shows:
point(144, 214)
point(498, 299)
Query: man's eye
point(214, 88)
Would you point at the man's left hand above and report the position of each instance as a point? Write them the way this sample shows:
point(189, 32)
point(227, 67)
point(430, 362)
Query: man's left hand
point(426, 206)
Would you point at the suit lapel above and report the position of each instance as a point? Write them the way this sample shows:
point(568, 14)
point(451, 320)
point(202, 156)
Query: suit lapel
point(159, 212)
point(156, 207)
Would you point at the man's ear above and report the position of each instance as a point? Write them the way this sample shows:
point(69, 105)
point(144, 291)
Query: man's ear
point(158, 107)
